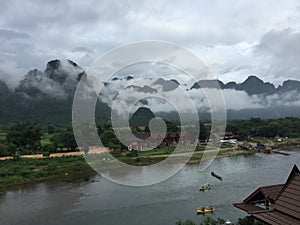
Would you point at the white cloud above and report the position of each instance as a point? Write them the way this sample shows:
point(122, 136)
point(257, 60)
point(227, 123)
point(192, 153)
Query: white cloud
point(223, 33)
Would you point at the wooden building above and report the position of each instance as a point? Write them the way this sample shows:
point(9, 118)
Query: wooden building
point(160, 140)
point(276, 204)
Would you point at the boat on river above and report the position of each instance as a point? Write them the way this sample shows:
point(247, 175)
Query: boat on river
point(216, 176)
point(205, 210)
point(204, 187)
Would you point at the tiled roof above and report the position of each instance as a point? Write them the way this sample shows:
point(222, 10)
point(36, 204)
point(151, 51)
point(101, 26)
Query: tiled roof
point(276, 218)
point(249, 208)
point(289, 199)
point(270, 192)
point(286, 197)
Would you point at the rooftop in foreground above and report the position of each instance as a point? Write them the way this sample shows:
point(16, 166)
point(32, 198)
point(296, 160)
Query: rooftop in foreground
point(276, 204)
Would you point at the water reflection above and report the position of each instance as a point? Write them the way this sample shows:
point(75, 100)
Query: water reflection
point(99, 201)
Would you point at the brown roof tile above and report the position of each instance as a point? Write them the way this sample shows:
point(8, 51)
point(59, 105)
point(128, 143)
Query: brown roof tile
point(276, 218)
point(249, 208)
point(288, 200)
point(271, 191)
point(285, 210)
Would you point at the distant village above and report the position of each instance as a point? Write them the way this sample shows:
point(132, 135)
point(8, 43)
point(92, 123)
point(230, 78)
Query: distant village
point(146, 141)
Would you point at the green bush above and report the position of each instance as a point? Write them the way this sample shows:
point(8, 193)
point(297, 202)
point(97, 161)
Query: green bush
point(25, 169)
point(187, 222)
point(249, 220)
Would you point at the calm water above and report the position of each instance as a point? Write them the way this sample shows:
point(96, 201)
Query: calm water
point(99, 201)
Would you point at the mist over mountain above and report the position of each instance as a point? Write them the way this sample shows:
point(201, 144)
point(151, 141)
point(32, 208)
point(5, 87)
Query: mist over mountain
point(43, 96)
point(252, 86)
point(141, 117)
point(47, 96)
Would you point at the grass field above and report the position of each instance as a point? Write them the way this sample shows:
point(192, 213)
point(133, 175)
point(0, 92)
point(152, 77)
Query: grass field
point(46, 139)
point(26, 170)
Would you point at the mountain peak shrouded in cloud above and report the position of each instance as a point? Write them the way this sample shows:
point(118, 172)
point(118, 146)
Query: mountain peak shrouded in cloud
point(264, 39)
point(141, 117)
point(289, 85)
point(208, 84)
point(61, 77)
point(167, 85)
point(62, 70)
point(58, 82)
point(4, 90)
point(252, 85)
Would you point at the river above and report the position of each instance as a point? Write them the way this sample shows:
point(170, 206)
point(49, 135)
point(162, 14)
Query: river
point(97, 201)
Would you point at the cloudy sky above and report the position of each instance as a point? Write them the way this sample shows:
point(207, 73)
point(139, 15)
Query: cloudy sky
point(234, 38)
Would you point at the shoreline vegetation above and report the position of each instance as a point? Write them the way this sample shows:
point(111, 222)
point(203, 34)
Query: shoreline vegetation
point(71, 166)
point(31, 152)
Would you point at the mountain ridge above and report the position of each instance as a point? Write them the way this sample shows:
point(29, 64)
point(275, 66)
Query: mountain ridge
point(47, 96)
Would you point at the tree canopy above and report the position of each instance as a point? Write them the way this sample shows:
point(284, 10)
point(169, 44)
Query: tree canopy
point(26, 135)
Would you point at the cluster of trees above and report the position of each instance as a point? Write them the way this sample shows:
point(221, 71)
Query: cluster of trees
point(21, 136)
point(109, 139)
point(256, 127)
point(248, 220)
point(26, 137)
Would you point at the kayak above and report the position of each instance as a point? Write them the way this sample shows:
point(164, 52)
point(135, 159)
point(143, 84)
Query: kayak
point(206, 210)
point(204, 187)
point(216, 176)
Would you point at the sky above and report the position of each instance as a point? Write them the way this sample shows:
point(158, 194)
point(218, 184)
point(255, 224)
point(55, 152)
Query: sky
point(233, 38)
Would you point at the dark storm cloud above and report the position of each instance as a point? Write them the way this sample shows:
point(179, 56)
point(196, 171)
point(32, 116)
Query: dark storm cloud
point(280, 51)
point(222, 33)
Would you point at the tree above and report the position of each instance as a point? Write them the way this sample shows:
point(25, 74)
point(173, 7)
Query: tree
point(25, 135)
point(249, 220)
point(207, 221)
point(203, 135)
point(109, 140)
point(51, 129)
point(141, 117)
point(211, 221)
point(64, 139)
point(46, 154)
point(171, 126)
point(107, 136)
point(187, 222)
point(7, 149)
point(49, 147)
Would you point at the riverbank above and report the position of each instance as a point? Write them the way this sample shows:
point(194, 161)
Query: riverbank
point(36, 168)
point(14, 173)
point(80, 202)
point(30, 170)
